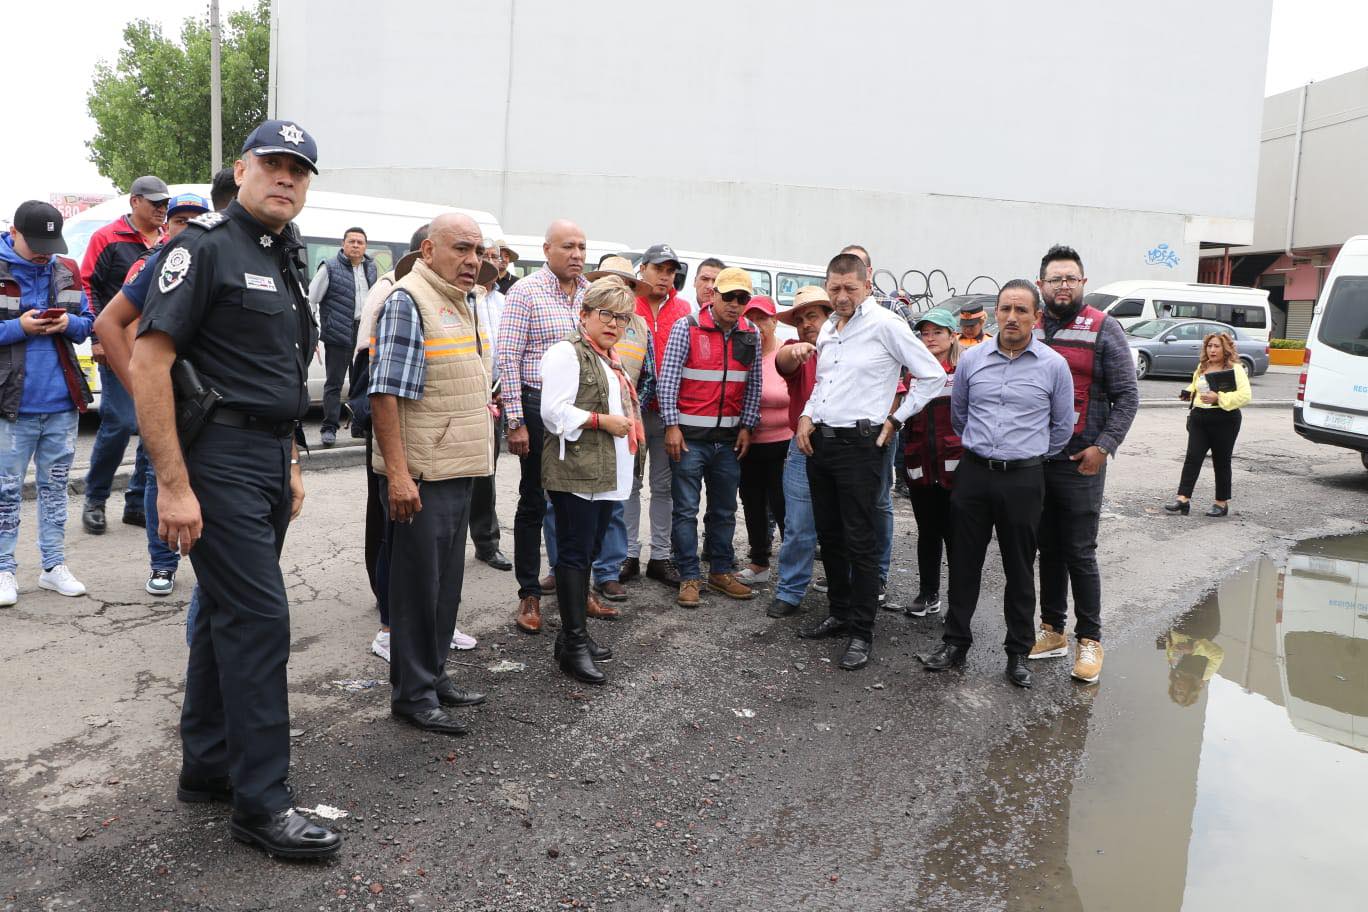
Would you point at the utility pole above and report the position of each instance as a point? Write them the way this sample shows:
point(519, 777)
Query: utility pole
point(215, 92)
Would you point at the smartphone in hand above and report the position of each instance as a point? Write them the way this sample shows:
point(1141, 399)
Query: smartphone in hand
point(1185, 395)
point(52, 313)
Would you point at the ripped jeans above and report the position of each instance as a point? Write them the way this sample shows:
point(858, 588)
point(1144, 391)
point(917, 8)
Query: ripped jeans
point(49, 442)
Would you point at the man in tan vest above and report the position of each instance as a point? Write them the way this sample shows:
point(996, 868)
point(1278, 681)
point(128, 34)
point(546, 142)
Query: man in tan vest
point(430, 394)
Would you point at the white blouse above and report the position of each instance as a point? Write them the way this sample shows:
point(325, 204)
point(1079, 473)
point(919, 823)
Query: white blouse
point(560, 385)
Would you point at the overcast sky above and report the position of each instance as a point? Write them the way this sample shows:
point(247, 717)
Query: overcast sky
point(50, 65)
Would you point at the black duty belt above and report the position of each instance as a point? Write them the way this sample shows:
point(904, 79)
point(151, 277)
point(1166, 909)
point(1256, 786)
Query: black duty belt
point(235, 419)
point(1003, 465)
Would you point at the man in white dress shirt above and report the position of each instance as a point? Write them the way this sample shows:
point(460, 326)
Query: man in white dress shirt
point(862, 351)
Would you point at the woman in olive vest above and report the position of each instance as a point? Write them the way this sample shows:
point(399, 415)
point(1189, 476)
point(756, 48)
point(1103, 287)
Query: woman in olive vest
point(593, 432)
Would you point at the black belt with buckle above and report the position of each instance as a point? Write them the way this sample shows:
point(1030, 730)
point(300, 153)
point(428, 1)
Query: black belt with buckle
point(1003, 465)
point(848, 433)
point(234, 419)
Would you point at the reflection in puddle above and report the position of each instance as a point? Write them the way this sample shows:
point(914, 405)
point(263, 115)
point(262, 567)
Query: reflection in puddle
point(1220, 767)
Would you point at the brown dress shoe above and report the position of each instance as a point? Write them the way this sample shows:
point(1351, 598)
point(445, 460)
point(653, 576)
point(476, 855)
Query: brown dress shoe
point(548, 584)
point(529, 614)
point(729, 585)
point(688, 593)
point(612, 590)
point(631, 569)
point(596, 609)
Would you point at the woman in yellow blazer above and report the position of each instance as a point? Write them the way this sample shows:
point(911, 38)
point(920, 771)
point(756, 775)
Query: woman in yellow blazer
point(1213, 424)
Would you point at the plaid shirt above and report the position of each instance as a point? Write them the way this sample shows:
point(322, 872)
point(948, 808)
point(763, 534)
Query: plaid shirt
point(672, 370)
point(398, 366)
point(536, 315)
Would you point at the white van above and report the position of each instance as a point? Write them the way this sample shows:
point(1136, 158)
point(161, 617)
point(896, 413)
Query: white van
point(389, 225)
point(528, 247)
point(1136, 301)
point(1332, 397)
point(775, 279)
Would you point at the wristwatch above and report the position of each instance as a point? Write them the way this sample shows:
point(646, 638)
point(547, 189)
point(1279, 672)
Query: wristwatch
point(514, 423)
point(1105, 451)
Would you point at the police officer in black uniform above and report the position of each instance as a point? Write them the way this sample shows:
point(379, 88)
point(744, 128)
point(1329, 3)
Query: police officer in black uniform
point(229, 299)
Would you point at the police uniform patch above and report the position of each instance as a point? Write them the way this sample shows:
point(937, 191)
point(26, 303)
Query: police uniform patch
point(174, 268)
point(207, 220)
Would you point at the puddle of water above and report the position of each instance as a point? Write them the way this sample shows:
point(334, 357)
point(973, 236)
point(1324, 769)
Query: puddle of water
point(1222, 766)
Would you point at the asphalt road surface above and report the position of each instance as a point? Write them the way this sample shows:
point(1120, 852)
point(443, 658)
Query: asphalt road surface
point(727, 765)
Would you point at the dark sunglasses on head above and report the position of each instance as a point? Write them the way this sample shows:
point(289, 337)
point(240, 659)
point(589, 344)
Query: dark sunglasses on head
point(611, 316)
point(732, 297)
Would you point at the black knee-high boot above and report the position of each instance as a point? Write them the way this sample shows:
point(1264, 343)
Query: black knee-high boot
point(597, 651)
point(572, 598)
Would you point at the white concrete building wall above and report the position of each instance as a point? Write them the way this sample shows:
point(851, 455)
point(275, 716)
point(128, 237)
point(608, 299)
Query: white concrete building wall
point(963, 136)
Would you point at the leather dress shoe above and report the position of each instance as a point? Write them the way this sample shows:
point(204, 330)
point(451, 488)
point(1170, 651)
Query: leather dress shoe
point(631, 569)
point(496, 560)
point(529, 614)
point(433, 720)
point(1017, 672)
point(285, 834)
point(93, 518)
point(780, 609)
point(663, 571)
point(548, 584)
point(856, 654)
point(597, 651)
point(1179, 506)
point(1218, 510)
point(451, 695)
point(135, 518)
point(195, 790)
point(946, 656)
point(826, 627)
point(595, 609)
point(612, 590)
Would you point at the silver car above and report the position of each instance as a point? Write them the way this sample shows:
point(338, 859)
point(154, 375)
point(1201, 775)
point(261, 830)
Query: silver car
point(1172, 348)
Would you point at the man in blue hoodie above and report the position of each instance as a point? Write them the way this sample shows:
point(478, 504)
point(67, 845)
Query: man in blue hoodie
point(43, 313)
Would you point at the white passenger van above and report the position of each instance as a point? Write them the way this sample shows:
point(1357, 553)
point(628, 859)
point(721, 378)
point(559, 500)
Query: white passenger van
point(389, 225)
point(1332, 396)
point(775, 279)
point(1132, 302)
point(528, 247)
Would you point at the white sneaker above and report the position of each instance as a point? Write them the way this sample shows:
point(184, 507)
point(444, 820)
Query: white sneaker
point(9, 592)
point(380, 645)
point(749, 576)
point(60, 580)
point(462, 640)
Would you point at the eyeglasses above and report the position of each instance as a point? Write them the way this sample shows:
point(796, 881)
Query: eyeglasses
point(612, 316)
point(159, 204)
point(1066, 281)
point(732, 297)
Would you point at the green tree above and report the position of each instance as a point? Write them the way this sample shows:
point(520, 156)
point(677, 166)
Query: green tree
point(151, 108)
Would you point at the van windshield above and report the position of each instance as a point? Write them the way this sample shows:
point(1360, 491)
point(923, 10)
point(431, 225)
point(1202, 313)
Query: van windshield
point(1098, 300)
point(1344, 323)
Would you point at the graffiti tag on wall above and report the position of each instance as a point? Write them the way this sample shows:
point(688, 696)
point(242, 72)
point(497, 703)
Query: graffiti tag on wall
point(1163, 255)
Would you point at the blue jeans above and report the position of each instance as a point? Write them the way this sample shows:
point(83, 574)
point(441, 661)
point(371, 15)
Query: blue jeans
point(611, 553)
point(49, 442)
point(884, 531)
point(118, 422)
point(800, 530)
point(159, 556)
point(716, 464)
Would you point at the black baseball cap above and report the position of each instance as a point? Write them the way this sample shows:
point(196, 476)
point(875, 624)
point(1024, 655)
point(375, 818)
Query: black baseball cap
point(660, 253)
point(283, 137)
point(41, 225)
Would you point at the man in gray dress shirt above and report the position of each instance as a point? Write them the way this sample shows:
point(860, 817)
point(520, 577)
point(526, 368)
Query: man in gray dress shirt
point(1012, 406)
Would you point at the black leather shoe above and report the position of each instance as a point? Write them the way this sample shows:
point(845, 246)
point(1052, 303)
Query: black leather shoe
point(826, 627)
point(947, 656)
point(856, 654)
point(433, 720)
point(631, 569)
point(197, 791)
point(451, 695)
point(285, 834)
point(1218, 510)
point(663, 571)
point(1179, 506)
point(496, 560)
point(597, 652)
point(135, 518)
point(1017, 672)
point(93, 518)
point(781, 609)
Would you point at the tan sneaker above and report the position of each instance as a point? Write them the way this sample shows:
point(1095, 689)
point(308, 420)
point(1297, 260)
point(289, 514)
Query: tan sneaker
point(728, 584)
point(1088, 666)
point(1049, 644)
point(688, 593)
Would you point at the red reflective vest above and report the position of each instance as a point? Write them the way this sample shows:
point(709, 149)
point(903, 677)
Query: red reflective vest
point(712, 385)
point(1077, 342)
point(932, 449)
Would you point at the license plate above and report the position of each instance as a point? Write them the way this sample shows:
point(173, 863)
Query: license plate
point(1339, 422)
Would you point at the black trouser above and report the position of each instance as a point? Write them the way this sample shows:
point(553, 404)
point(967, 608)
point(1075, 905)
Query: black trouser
point(844, 477)
point(1010, 503)
point(580, 525)
point(426, 570)
point(235, 719)
point(931, 508)
point(762, 495)
point(375, 538)
point(527, 521)
point(1213, 429)
point(337, 362)
point(484, 522)
point(1068, 548)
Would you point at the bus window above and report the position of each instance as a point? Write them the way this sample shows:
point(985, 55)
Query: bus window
point(789, 284)
point(760, 279)
point(320, 250)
